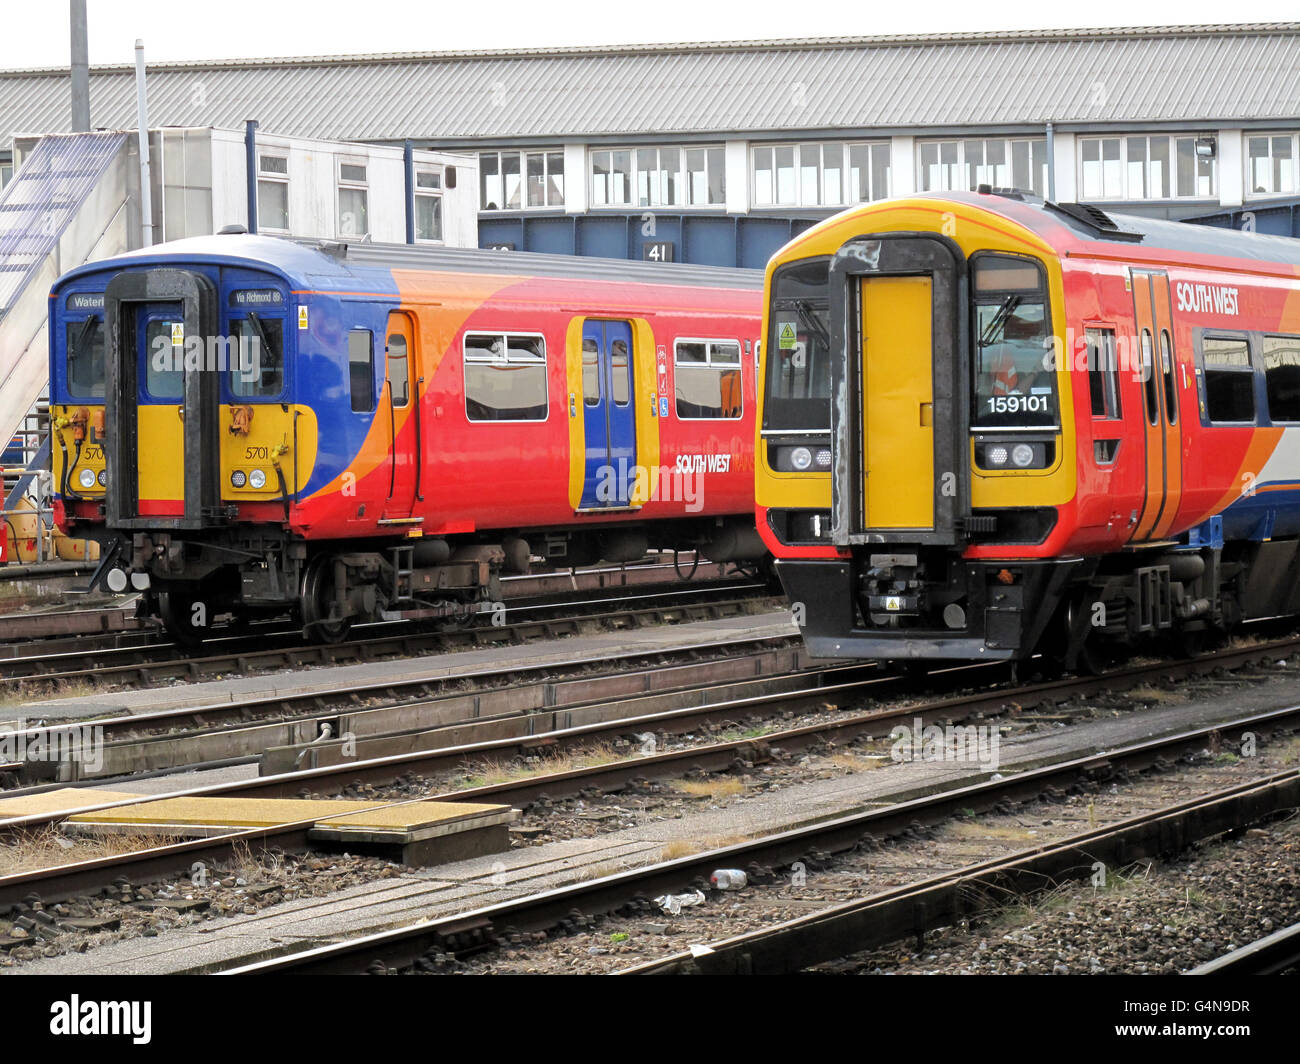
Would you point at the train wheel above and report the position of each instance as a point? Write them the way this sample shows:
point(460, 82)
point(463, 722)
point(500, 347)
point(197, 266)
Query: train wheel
point(316, 601)
point(185, 616)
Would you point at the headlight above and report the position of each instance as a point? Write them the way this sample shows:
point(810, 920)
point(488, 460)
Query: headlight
point(237, 479)
point(103, 477)
point(801, 458)
point(257, 479)
point(824, 458)
point(1014, 454)
point(86, 478)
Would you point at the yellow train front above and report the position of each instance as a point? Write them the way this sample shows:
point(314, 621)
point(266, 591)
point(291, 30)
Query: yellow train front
point(912, 499)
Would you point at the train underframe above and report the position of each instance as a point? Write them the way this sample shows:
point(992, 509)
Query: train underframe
point(199, 584)
point(901, 603)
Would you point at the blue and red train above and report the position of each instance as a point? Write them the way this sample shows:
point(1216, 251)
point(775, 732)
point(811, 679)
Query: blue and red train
point(251, 425)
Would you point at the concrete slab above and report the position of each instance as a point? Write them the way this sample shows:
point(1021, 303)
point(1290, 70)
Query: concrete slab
point(59, 800)
point(596, 647)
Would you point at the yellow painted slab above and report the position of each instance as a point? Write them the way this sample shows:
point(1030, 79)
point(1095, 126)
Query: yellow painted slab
point(58, 801)
point(415, 815)
point(268, 812)
point(228, 812)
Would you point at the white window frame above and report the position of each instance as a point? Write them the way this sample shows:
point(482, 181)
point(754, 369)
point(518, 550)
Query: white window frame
point(273, 177)
point(1269, 135)
point(715, 164)
point(552, 201)
point(708, 363)
point(352, 185)
point(822, 197)
point(1123, 138)
point(505, 360)
point(429, 192)
point(961, 163)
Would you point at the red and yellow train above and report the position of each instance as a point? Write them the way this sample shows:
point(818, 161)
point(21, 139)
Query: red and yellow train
point(251, 425)
point(993, 425)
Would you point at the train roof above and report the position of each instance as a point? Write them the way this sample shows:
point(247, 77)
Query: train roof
point(368, 267)
point(1088, 222)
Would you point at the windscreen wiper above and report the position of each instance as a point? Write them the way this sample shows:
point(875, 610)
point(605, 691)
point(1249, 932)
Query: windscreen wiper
point(999, 319)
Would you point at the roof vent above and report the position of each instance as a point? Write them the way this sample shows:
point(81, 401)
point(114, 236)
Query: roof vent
point(1095, 219)
point(232, 230)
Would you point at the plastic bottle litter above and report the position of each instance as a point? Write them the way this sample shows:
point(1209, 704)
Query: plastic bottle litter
point(729, 879)
point(673, 904)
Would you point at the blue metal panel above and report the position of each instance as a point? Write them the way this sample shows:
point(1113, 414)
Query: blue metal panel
point(1276, 218)
point(713, 239)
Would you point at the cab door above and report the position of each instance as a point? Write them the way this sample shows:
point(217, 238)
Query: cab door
point(898, 398)
point(609, 420)
point(160, 408)
point(1161, 417)
point(402, 393)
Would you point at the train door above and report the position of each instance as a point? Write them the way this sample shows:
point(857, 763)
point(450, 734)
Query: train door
point(160, 408)
point(898, 413)
point(1161, 417)
point(402, 391)
point(609, 420)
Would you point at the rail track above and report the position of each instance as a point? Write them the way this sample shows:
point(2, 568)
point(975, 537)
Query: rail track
point(708, 757)
point(275, 648)
point(1271, 955)
point(837, 931)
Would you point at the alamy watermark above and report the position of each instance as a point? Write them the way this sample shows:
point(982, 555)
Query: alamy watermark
point(210, 354)
point(971, 743)
point(79, 743)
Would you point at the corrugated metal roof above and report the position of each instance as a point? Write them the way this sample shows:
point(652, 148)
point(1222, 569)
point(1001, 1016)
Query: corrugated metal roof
point(1163, 74)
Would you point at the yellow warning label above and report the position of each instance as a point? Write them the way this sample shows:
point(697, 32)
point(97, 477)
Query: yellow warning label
point(786, 339)
point(302, 317)
point(178, 334)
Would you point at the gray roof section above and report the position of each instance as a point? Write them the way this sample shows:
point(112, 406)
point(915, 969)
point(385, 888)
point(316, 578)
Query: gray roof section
point(1151, 75)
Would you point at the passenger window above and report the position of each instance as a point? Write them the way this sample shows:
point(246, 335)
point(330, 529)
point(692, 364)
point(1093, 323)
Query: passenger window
point(361, 370)
point(708, 380)
point(505, 377)
point(398, 374)
point(1103, 373)
point(1282, 377)
point(85, 365)
point(1229, 379)
point(590, 372)
point(1171, 381)
point(256, 359)
point(165, 376)
point(1149, 383)
point(619, 367)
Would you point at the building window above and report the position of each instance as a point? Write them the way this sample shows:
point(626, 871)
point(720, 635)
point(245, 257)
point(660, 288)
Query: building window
point(658, 177)
point(1142, 168)
point(428, 205)
point(955, 165)
point(868, 172)
point(819, 175)
point(505, 377)
point(1271, 165)
point(708, 382)
point(511, 180)
point(273, 192)
point(6, 173)
point(352, 200)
